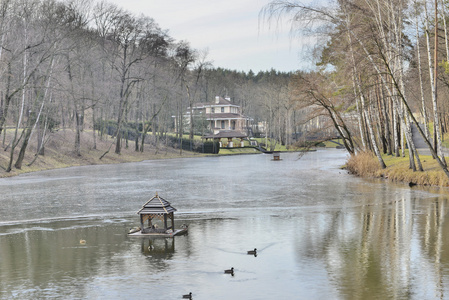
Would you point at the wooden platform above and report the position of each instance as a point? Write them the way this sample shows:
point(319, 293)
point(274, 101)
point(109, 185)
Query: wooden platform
point(154, 234)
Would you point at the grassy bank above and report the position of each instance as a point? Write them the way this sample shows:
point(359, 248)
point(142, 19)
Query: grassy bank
point(366, 165)
point(59, 153)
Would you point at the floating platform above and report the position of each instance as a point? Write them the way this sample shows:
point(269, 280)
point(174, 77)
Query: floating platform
point(159, 234)
point(157, 208)
point(276, 155)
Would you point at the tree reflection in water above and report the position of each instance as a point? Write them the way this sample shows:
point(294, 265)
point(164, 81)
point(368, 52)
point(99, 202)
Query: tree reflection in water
point(320, 233)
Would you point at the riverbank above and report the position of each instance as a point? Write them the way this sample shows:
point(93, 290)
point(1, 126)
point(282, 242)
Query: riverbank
point(366, 165)
point(59, 153)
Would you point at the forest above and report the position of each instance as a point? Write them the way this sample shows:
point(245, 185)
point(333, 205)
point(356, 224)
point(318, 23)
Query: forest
point(90, 66)
point(381, 67)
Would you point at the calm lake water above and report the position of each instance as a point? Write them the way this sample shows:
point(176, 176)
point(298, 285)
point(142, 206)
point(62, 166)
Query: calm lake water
point(320, 233)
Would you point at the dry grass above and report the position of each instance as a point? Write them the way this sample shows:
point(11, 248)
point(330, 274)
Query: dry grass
point(59, 153)
point(366, 165)
point(363, 164)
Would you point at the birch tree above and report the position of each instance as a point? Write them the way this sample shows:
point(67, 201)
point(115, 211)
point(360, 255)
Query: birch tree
point(433, 85)
point(34, 50)
point(373, 42)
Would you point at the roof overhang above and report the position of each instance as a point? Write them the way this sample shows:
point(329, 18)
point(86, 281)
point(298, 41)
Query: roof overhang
point(226, 134)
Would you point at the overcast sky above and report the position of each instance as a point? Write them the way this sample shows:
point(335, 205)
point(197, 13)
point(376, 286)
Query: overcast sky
point(229, 30)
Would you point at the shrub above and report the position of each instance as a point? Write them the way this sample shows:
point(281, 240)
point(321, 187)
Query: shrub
point(196, 146)
point(363, 163)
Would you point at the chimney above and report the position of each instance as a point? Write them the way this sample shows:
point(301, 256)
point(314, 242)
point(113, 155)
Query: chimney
point(217, 99)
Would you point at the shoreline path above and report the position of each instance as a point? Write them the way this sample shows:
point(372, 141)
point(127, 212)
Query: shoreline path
point(420, 145)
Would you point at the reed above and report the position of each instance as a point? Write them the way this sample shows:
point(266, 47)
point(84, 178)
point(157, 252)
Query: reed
point(365, 164)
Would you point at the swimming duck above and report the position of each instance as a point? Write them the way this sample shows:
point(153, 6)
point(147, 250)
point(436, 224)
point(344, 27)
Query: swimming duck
point(230, 271)
point(188, 296)
point(82, 242)
point(253, 252)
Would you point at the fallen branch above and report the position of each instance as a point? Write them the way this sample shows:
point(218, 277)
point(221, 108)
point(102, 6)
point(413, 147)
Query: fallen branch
point(107, 151)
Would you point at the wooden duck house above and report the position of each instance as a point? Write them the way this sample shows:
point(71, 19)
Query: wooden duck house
point(154, 210)
point(276, 155)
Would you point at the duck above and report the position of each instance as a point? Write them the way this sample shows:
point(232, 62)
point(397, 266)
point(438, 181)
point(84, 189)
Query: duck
point(188, 296)
point(252, 252)
point(230, 271)
point(134, 229)
point(82, 242)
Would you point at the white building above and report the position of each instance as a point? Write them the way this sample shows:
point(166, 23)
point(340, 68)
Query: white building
point(224, 119)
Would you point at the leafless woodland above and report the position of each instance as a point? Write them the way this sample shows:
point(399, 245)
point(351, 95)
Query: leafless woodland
point(90, 66)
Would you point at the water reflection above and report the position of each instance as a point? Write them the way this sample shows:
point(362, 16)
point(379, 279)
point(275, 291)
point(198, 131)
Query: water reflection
point(320, 233)
point(158, 247)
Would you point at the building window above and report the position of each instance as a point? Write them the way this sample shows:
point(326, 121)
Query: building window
point(213, 109)
point(222, 109)
point(222, 124)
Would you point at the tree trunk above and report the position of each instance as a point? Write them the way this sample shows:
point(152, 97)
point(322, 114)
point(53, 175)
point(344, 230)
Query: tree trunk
point(7, 101)
point(94, 136)
point(371, 132)
point(118, 135)
point(421, 86)
point(437, 139)
point(21, 156)
point(77, 133)
point(22, 105)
